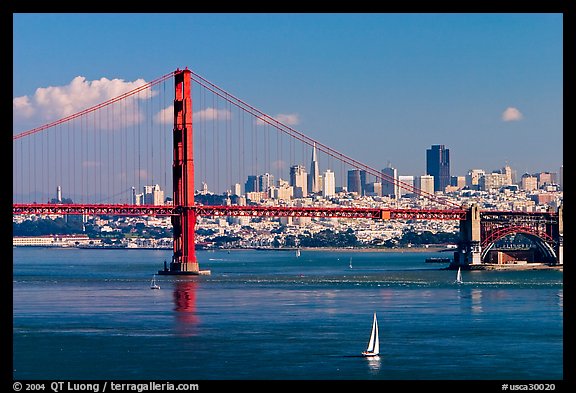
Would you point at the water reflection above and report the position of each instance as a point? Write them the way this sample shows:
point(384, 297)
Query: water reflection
point(185, 306)
point(373, 363)
point(471, 298)
point(476, 301)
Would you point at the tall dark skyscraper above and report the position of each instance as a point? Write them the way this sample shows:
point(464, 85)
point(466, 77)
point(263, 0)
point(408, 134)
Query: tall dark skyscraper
point(438, 165)
point(251, 184)
point(354, 181)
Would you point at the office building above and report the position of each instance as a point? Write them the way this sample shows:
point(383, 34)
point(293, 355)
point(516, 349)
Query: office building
point(329, 188)
point(354, 181)
point(390, 186)
point(425, 183)
point(153, 195)
point(406, 184)
point(528, 182)
point(236, 189)
point(473, 178)
point(299, 181)
point(458, 182)
point(438, 165)
point(265, 181)
point(314, 179)
point(251, 184)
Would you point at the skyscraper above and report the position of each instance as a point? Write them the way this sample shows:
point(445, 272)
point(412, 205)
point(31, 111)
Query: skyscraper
point(251, 184)
point(390, 182)
point(354, 182)
point(299, 180)
point(313, 178)
point(438, 165)
point(265, 181)
point(425, 183)
point(153, 195)
point(329, 189)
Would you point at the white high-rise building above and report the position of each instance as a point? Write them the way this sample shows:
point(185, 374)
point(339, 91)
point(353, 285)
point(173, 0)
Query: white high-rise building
point(473, 178)
point(329, 189)
point(314, 180)
point(409, 184)
point(425, 183)
point(236, 189)
point(299, 180)
point(153, 195)
point(283, 191)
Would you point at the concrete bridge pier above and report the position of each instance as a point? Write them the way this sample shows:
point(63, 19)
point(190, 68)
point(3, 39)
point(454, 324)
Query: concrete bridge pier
point(560, 244)
point(469, 249)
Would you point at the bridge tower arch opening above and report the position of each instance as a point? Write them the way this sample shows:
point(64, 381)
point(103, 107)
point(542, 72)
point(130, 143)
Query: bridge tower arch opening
point(539, 250)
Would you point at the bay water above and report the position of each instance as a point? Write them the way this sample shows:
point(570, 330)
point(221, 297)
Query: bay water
point(270, 315)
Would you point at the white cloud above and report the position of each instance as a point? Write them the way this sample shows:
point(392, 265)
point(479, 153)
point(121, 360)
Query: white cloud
point(211, 114)
point(165, 116)
point(290, 119)
point(22, 106)
point(512, 114)
point(56, 102)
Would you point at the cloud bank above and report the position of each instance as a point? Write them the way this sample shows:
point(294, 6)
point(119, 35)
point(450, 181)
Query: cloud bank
point(56, 102)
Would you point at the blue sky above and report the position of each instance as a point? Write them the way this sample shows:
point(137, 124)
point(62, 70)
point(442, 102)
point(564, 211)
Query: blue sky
point(378, 87)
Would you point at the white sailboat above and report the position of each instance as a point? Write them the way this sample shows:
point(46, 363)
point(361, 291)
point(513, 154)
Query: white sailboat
point(297, 252)
point(459, 276)
point(153, 284)
point(350, 263)
point(373, 348)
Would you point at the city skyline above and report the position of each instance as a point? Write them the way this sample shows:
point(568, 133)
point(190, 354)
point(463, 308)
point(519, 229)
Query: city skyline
point(410, 80)
point(299, 181)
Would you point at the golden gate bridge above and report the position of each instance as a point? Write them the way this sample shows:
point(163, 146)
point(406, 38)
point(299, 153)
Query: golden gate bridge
point(103, 153)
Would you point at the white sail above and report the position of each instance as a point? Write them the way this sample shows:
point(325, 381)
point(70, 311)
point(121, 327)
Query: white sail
point(153, 284)
point(459, 276)
point(373, 348)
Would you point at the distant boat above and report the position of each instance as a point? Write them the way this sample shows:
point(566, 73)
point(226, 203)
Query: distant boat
point(350, 263)
point(459, 276)
point(373, 348)
point(153, 284)
point(297, 253)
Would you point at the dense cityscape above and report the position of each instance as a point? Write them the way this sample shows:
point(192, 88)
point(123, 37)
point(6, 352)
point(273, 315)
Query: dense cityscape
point(496, 190)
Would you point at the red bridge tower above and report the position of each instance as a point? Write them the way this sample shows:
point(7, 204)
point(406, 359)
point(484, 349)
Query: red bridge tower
point(184, 258)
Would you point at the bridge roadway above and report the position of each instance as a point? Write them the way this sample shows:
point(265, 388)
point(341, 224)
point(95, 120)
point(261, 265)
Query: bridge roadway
point(247, 211)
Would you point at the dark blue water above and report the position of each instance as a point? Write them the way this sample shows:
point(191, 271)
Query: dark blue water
point(90, 314)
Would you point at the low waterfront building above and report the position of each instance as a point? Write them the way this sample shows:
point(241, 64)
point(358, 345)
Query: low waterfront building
point(53, 241)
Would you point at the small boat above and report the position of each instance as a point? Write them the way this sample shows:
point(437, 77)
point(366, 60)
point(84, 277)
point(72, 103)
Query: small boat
point(153, 284)
point(373, 348)
point(350, 263)
point(297, 252)
point(459, 276)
